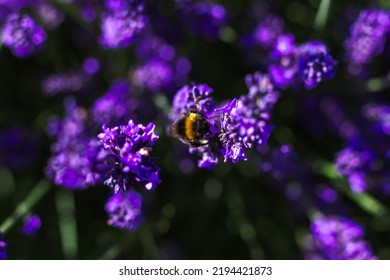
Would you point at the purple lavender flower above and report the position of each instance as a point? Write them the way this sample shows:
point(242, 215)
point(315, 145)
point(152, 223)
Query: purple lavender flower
point(119, 28)
point(49, 14)
point(353, 164)
point(268, 31)
point(22, 35)
point(3, 247)
point(246, 122)
point(91, 65)
point(127, 156)
point(31, 224)
point(70, 82)
point(124, 210)
point(380, 114)
point(310, 62)
point(315, 64)
point(154, 75)
point(18, 147)
point(367, 36)
point(74, 155)
point(338, 238)
point(202, 18)
point(284, 55)
point(238, 124)
point(198, 97)
point(115, 105)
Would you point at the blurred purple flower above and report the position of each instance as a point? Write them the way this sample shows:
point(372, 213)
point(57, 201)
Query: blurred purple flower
point(49, 14)
point(202, 18)
point(22, 35)
point(18, 147)
point(31, 224)
point(74, 155)
point(284, 56)
point(114, 107)
point(70, 82)
point(120, 27)
point(127, 156)
point(3, 247)
point(124, 210)
point(154, 75)
point(91, 65)
point(338, 238)
point(268, 31)
point(380, 114)
point(353, 163)
point(367, 36)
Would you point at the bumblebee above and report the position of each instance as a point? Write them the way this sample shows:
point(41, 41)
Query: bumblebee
point(191, 129)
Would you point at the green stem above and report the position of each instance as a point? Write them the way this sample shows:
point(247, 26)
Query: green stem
point(364, 200)
point(245, 228)
point(116, 249)
point(67, 223)
point(40, 189)
point(148, 243)
point(322, 15)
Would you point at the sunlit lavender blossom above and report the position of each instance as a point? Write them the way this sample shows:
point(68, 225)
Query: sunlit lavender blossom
point(338, 238)
point(3, 248)
point(236, 125)
point(267, 31)
point(124, 210)
point(246, 122)
point(197, 97)
point(120, 27)
point(367, 36)
point(22, 35)
point(31, 224)
point(127, 156)
point(309, 63)
point(353, 164)
point(203, 18)
point(74, 155)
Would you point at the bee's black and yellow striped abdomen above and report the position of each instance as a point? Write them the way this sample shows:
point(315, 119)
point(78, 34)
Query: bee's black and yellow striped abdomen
point(191, 129)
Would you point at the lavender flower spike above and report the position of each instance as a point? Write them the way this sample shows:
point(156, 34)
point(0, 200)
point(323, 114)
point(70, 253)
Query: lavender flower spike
point(126, 156)
point(367, 36)
point(124, 210)
point(119, 27)
point(338, 238)
point(22, 35)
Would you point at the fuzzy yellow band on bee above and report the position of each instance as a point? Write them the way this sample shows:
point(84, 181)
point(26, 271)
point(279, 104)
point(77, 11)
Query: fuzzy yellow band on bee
point(189, 125)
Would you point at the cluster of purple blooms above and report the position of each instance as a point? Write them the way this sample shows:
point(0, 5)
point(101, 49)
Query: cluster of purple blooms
point(105, 144)
point(337, 238)
point(309, 63)
point(117, 157)
point(236, 125)
point(20, 32)
point(121, 22)
point(368, 36)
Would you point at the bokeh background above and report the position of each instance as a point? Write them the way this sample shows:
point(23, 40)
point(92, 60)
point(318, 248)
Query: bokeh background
point(233, 211)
